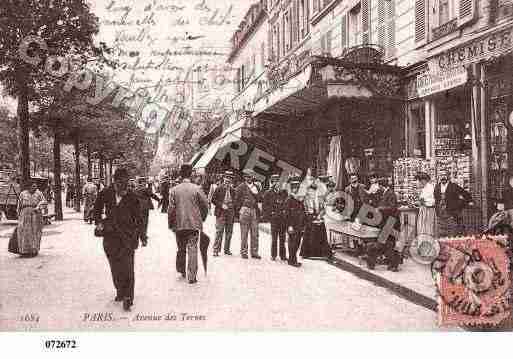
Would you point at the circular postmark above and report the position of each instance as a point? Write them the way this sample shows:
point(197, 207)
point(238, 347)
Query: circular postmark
point(424, 249)
point(511, 182)
point(511, 118)
point(473, 282)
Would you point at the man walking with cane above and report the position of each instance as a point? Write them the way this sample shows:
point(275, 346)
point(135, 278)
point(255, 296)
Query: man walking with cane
point(188, 208)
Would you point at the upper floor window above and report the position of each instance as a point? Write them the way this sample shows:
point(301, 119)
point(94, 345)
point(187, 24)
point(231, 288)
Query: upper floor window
point(355, 26)
point(437, 18)
point(444, 11)
point(304, 17)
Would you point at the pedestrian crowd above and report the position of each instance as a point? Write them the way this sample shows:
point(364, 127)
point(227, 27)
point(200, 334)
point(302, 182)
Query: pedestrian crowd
point(296, 212)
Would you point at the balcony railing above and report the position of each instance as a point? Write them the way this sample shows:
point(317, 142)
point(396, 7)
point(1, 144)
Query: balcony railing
point(445, 29)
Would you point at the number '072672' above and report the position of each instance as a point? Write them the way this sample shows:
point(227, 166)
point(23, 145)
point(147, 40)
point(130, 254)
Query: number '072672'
point(60, 344)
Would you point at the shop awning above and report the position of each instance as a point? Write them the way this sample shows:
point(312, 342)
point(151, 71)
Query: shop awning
point(195, 158)
point(231, 134)
point(324, 78)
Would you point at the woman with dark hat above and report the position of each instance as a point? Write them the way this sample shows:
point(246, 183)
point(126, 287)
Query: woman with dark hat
point(426, 222)
point(315, 240)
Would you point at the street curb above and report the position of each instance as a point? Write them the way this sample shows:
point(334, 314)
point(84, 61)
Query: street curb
point(400, 290)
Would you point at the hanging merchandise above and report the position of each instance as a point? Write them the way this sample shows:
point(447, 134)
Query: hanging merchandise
point(406, 186)
point(334, 158)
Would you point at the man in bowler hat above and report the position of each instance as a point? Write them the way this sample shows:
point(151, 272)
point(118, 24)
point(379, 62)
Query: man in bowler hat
point(120, 233)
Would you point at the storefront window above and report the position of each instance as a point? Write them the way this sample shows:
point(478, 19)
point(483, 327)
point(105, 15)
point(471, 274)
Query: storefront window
point(500, 139)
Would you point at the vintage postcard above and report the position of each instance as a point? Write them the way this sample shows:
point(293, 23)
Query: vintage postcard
point(256, 165)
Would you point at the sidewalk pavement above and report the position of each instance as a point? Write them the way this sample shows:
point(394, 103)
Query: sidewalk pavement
point(413, 282)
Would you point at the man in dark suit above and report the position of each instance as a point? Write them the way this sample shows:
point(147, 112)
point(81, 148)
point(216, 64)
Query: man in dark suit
point(273, 208)
point(450, 200)
point(246, 204)
point(120, 229)
point(388, 208)
point(358, 193)
point(223, 198)
point(145, 197)
point(295, 221)
point(188, 208)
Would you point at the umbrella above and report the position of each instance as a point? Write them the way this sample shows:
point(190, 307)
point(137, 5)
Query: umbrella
point(204, 243)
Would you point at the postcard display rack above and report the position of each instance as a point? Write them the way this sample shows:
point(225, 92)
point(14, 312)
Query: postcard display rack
point(405, 169)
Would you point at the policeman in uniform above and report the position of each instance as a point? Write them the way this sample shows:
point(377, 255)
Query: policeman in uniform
point(295, 216)
point(274, 211)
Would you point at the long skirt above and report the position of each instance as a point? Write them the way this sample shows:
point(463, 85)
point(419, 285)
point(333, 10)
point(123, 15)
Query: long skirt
point(315, 241)
point(426, 222)
point(88, 207)
point(30, 230)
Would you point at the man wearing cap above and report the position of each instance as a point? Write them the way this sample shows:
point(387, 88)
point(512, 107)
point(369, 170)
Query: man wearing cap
point(188, 208)
point(273, 206)
point(223, 199)
point(295, 215)
point(120, 231)
point(246, 204)
point(450, 200)
point(358, 193)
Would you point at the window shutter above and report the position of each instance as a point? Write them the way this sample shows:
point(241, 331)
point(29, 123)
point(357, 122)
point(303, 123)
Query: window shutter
point(390, 50)
point(262, 56)
point(381, 23)
point(270, 50)
point(343, 33)
point(328, 43)
point(253, 66)
point(420, 22)
point(466, 11)
point(366, 32)
point(323, 45)
point(315, 6)
point(238, 83)
point(296, 27)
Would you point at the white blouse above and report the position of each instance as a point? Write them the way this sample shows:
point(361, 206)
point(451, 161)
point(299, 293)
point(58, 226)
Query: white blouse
point(427, 194)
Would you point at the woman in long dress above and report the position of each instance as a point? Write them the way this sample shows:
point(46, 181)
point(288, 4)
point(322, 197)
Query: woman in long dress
point(426, 222)
point(30, 221)
point(315, 240)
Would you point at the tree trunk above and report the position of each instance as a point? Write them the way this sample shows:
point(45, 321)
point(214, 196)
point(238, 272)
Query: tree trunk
point(57, 174)
point(102, 172)
point(110, 172)
point(23, 130)
point(78, 188)
point(89, 163)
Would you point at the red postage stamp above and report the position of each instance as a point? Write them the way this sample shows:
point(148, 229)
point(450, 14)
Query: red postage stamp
point(473, 279)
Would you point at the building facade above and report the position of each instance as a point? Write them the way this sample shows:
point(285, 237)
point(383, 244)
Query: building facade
point(358, 86)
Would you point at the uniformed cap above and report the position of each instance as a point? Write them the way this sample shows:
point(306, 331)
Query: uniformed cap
point(275, 178)
point(295, 184)
point(249, 173)
point(294, 179)
point(228, 174)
